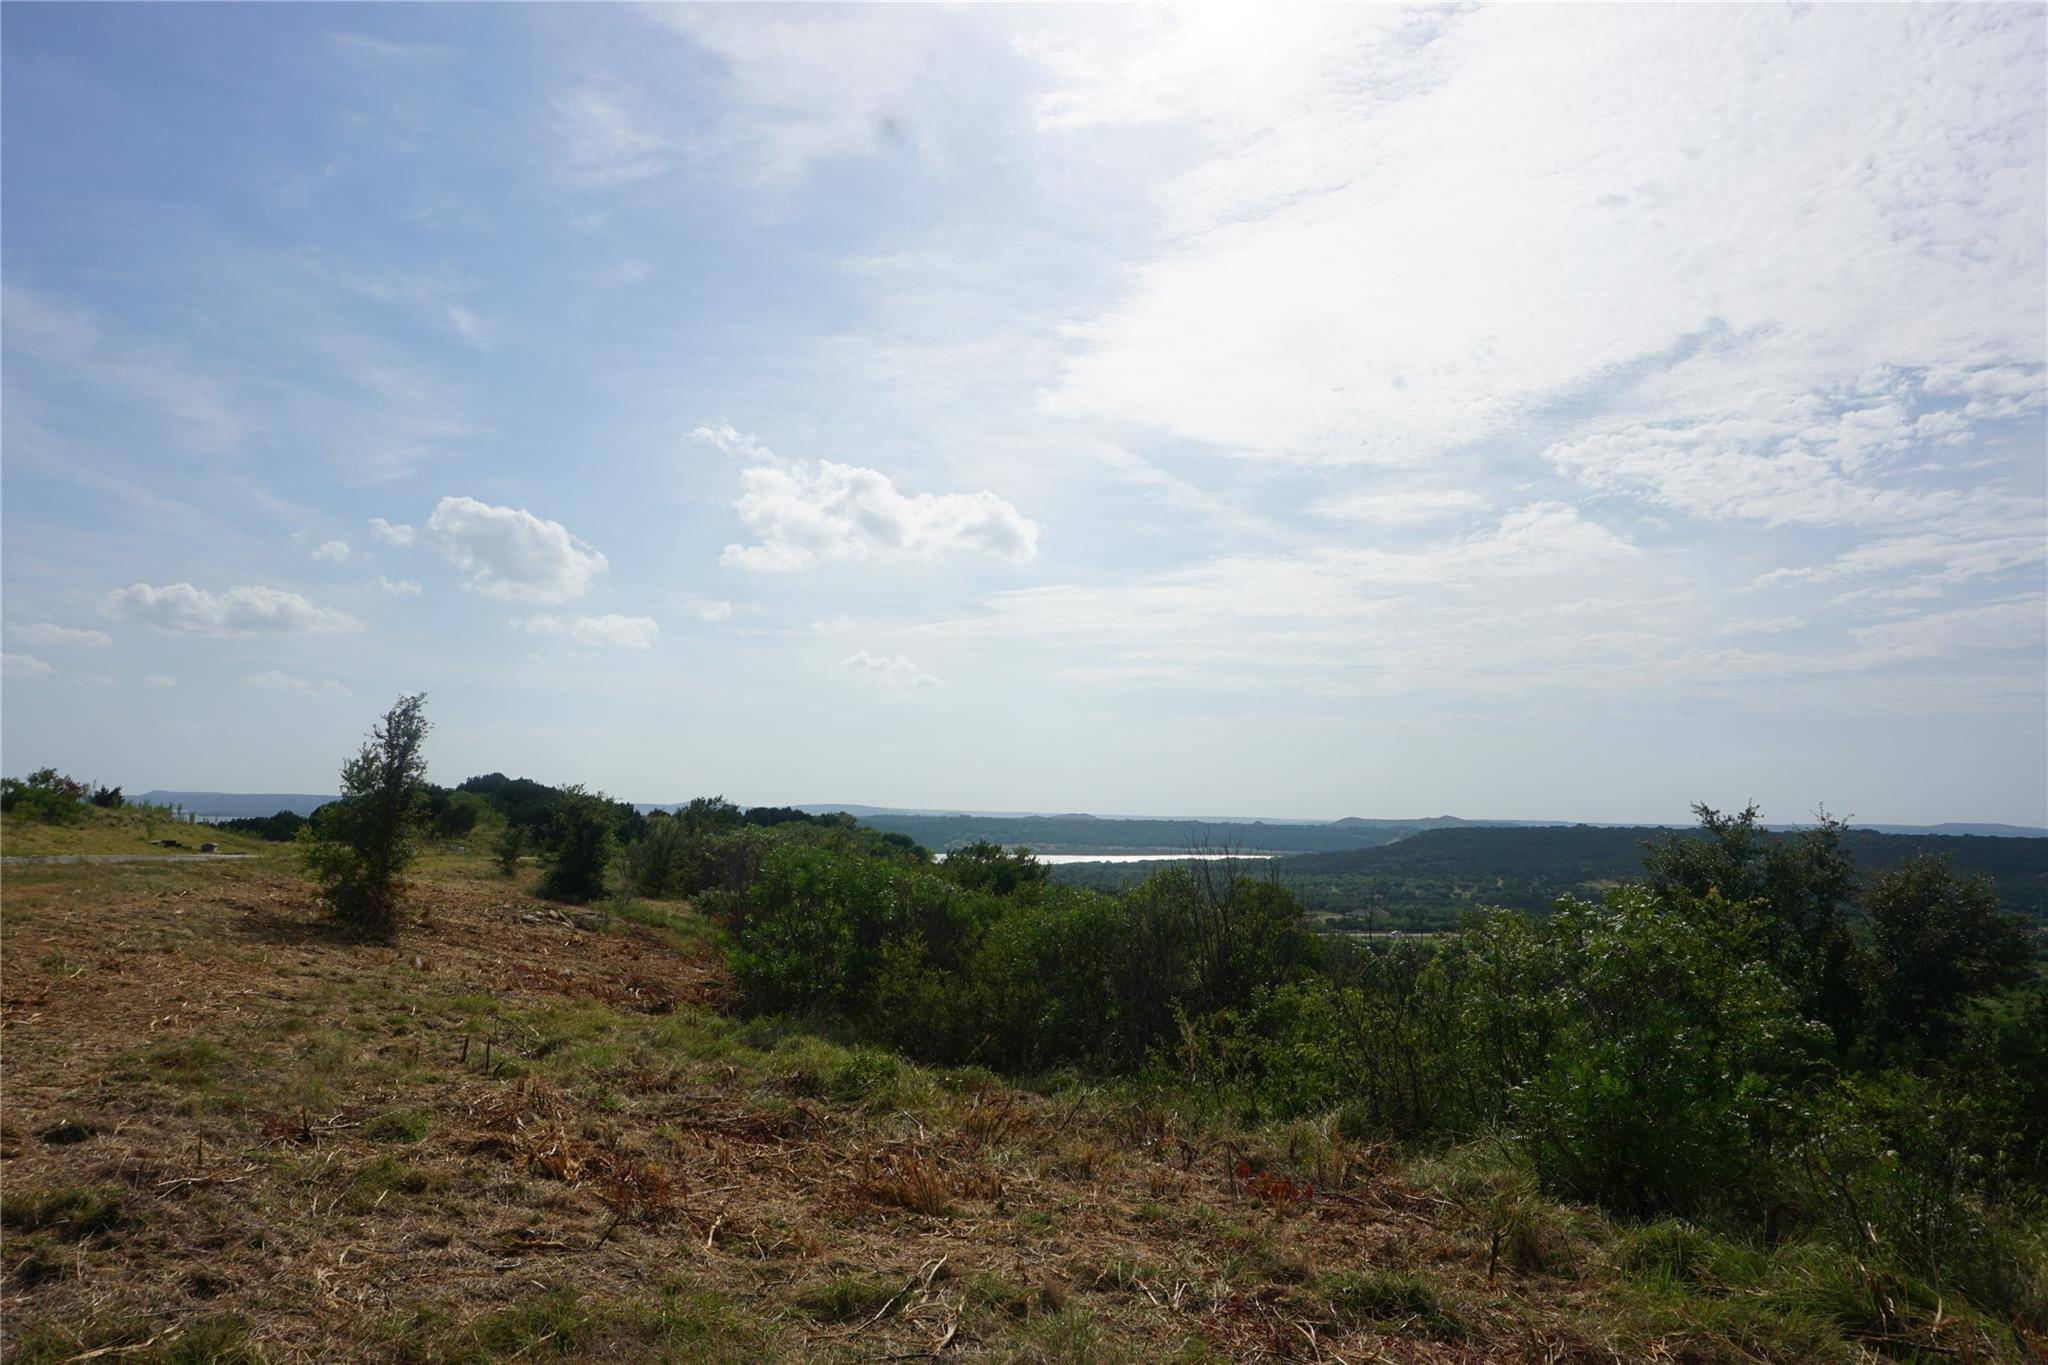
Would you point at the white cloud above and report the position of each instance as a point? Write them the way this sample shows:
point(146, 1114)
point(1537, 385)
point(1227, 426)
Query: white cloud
point(332, 552)
point(279, 681)
point(837, 625)
point(393, 533)
point(730, 441)
point(900, 674)
point(705, 609)
point(398, 587)
point(159, 680)
point(1404, 233)
point(185, 609)
point(511, 554)
point(1764, 625)
point(810, 514)
point(614, 631)
point(602, 143)
point(47, 633)
point(23, 666)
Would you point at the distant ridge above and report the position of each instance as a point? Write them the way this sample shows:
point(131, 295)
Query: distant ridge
point(236, 805)
point(233, 805)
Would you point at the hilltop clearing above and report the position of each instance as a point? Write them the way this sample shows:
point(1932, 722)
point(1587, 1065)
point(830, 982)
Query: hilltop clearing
point(520, 1129)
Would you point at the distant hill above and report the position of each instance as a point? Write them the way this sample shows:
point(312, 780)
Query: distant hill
point(235, 805)
point(1083, 833)
point(1444, 870)
point(1097, 834)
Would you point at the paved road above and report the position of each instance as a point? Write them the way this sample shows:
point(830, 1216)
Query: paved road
point(126, 858)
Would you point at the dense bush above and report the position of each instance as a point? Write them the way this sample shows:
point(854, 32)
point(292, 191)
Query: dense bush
point(45, 795)
point(581, 845)
point(282, 827)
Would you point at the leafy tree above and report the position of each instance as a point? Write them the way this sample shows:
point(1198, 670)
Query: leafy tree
point(108, 798)
point(359, 846)
point(1940, 939)
point(580, 828)
point(1789, 894)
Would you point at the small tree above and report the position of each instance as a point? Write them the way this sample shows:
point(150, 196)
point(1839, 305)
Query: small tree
point(580, 828)
point(358, 847)
point(510, 844)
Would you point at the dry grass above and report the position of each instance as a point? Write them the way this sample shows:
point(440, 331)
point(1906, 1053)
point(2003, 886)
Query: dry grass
point(231, 1133)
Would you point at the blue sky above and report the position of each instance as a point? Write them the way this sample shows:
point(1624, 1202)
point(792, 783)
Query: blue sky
point(1512, 412)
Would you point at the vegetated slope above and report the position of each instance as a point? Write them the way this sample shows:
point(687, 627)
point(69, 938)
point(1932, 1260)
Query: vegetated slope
point(129, 830)
point(517, 1130)
point(1437, 872)
point(1091, 834)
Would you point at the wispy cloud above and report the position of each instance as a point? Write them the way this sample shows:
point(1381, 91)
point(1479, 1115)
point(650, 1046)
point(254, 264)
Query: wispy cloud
point(602, 143)
point(181, 608)
point(900, 674)
point(277, 680)
point(48, 633)
point(614, 631)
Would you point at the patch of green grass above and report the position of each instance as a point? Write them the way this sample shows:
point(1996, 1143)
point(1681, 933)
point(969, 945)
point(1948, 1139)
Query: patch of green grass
point(988, 1292)
point(376, 1181)
point(684, 927)
point(397, 1125)
point(213, 1339)
point(1391, 1300)
point(1663, 1317)
point(190, 1062)
point(680, 1322)
point(849, 1297)
point(1071, 1336)
point(1684, 1254)
point(70, 1211)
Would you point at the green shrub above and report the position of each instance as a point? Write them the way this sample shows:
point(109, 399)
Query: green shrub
point(45, 796)
point(582, 845)
point(508, 848)
point(359, 846)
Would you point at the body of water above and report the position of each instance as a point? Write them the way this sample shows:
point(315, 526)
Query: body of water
point(1142, 857)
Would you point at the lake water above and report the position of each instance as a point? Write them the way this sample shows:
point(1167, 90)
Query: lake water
point(1143, 857)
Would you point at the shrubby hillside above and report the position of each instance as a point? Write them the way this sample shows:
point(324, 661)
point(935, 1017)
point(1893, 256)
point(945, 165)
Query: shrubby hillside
point(1427, 880)
point(740, 1085)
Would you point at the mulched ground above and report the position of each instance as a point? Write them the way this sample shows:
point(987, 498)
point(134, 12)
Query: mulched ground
point(357, 1146)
